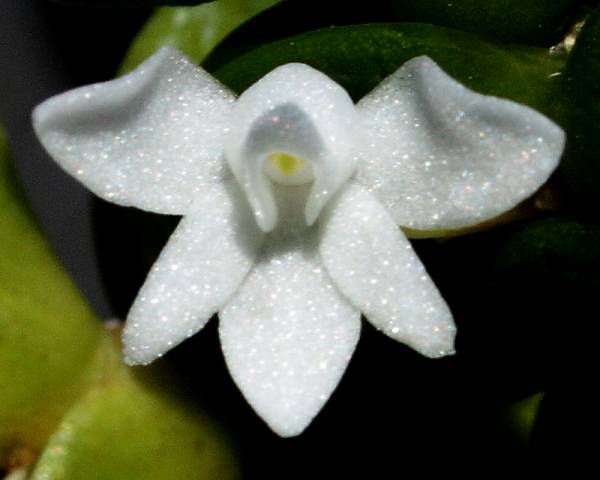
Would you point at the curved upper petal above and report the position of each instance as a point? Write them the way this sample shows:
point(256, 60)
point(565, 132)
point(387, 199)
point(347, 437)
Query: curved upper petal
point(374, 266)
point(440, 156)
point(152, 139)
point(297, 110)
point(288, 334)
point(203, 264)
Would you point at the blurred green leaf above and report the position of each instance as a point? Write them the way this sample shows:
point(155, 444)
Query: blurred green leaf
point(130, 426)
point(581, 83)
point(130, 3)
point(61, 372)
point(48, 334)
point(360, 56)
point(520, 417)
point(566, 422)
point(193, 30)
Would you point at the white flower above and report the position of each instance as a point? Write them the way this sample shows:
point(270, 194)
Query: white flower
point(304, 235)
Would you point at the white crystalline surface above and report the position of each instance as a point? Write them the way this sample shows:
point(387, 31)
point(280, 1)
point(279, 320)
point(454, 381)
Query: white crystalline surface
point(374, 265)
point(298, 110)
point(288, 334)
point(440, 156)
point(152, 139)
point(205, 261)
point(292, 197)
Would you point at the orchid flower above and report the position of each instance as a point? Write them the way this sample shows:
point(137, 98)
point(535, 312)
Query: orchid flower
point(292, 197)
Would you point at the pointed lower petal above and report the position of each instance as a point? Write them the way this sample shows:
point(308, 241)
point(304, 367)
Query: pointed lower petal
point(288, 335)
point(375, 267)
point(206, 259)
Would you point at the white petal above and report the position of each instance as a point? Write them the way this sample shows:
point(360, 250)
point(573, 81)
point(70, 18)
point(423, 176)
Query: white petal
point(206, 259)
point(152, 139)
point(375, 267)
point(439, 155)
point(297, 110)
point(288, 334)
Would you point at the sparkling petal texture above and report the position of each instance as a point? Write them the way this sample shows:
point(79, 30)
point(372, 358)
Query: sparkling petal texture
point(297, 110)
point(421, 151)
point(375, 267)
point(206, 259)
point(152, 139)
point(440, 156)
point(288, 334)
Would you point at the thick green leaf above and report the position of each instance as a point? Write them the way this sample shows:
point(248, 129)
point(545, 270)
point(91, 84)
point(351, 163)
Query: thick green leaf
point(193, 30)
point(360, 56)
point(56, 359)
point(534, 22)
point(48, 334)
point(288, 19)
point(130, 426)
point(581, 83)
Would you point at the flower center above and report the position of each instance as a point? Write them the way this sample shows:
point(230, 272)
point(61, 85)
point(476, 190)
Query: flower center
point(287, 169)
point(294, 127)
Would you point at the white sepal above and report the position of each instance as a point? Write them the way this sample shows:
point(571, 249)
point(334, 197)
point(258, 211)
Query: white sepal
point(440, 156)
point(152, 139)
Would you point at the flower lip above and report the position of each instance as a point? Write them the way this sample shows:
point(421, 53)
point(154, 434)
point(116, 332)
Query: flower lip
point(298, 116)
point(284, 144)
